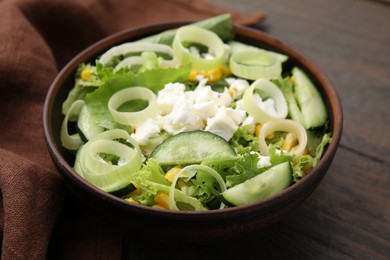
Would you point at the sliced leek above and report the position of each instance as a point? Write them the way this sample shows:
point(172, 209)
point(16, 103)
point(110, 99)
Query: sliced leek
point(252, 102)
point(97, 164)
point(105, 174)
point(188, 172)
point(201, 36)
point(71, 141)
point(236, 46)
point(133, 93)
point(129, 62)
point(283, 125)
point(136, 48)
point(255, 63)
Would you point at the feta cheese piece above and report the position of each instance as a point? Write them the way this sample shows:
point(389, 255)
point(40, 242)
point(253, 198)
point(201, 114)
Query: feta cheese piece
point(182, 118)
point(224, 99)
point(225, 122)
point(145, 131)
point(204, 93)
point(240, 105)
point(182, 113)
point(236, 115)
point(167, 97)
point(175, 129)
point(208, 56)
point(205, 110)
point(267, 105)
point(264, 161)
point(194, 51)
point(237, 87)
point(249, 124)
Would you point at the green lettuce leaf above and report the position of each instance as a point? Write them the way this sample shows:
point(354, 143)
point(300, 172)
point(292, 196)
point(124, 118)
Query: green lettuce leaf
point(206, 187)
point(326, 139)
point(81, 87)
point(243, 169)
point(244, 142)
point(301, 167)
point(151, 180)
point(151, 171)
point(154, 79)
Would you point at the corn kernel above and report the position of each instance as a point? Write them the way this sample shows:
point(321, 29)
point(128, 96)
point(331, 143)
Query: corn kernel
point(292, 79)
point(86, 74)
point(290, 141)
point(162, 199)
point(192, 75)
point(215, 74)
point(182, 183)
point(170, 175)
point(225, 70)
point(158, 206)
point(257, 129)
point(138, 189)
point(270, 135)
point(131, 200)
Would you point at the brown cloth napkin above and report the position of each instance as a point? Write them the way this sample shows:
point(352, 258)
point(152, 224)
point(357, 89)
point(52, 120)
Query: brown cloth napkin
point(39, 219)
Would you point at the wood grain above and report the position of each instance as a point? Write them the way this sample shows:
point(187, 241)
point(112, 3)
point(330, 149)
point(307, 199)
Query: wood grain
point(348, 216)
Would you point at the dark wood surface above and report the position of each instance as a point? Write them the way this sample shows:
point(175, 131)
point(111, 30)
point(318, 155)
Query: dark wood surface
point(348, 216)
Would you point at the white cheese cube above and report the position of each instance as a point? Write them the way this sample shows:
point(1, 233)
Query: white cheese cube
point(225, 122)
point(167, 97)
point(144, 131)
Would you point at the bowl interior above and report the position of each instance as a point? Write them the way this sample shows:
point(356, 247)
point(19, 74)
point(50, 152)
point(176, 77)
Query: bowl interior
point(271, 210)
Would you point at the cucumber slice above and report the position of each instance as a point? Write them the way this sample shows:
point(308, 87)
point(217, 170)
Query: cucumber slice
point(309, 99)
point(192, 147)
point(239, 46)
point(86, 125)
point(262, 186)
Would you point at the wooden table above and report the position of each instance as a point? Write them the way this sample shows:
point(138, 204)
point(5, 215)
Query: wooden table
point(348, 216)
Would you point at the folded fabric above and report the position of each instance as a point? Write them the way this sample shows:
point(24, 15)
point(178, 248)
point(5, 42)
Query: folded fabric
point(38, 218)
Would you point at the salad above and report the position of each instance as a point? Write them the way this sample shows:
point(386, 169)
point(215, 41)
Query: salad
point(191, 119)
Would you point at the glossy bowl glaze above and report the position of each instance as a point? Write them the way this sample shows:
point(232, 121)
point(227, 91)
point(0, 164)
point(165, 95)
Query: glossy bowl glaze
point(192, 226)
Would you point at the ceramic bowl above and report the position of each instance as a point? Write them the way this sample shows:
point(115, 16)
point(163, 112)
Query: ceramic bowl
point(189, 225)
